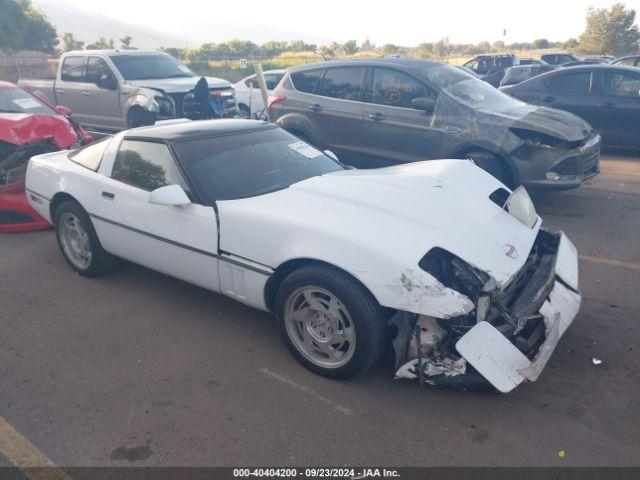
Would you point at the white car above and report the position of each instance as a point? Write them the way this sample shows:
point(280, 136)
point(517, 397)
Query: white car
point(248, 97)
point(437, 255)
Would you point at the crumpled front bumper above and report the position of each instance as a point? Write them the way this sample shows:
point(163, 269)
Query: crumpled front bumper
point(510, 339)
point(497, 359)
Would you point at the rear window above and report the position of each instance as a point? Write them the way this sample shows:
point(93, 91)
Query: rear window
point(306, 81)
point(251, 164)
point(344, 83)
point(90, 156)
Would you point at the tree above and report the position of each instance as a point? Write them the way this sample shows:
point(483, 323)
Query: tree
point(22, 27)
point(125, 43)
point(367, 46)
point(350, 47)
point(176, 53)
point(70, 43)
point(540, 43)
point(272, 48)
point(610, 31)
point(569, 44)
point(101, 44)
point(301, 46)
point(390, 49)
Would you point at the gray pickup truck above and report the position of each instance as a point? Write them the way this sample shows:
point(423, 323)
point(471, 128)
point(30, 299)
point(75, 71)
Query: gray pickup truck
point(109, 90)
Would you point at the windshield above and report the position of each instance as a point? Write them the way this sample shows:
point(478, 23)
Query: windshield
point(16, 100)
point(250, 164)
point(468, 89)
point(141, 67)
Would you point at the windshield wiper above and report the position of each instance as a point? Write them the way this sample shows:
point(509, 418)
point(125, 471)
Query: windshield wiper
point(10, 111)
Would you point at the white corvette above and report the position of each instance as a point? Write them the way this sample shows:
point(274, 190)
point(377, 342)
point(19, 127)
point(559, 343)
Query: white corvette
point(438, 256)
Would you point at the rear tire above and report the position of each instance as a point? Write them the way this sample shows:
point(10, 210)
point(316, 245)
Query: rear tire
point(79, 243)
point(244, 112)
point(492, 164)
point(329, 322)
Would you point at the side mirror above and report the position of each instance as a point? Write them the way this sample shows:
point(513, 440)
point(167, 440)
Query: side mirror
point(107, 82)
point(64, 111)
point(170, 195)
point(427, 104)
point(332, 155)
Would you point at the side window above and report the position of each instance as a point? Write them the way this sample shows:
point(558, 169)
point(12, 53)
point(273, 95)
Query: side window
point(627, 61)
point(73, 69)
point(484, 65)
point(306, 81)
point(272, 80)
point(96, 68)
point(395, 89)
point(577, 83)
point(620, 84)
point(344, 83)
point(90, 156)
point(146, 165)
point(472, 65)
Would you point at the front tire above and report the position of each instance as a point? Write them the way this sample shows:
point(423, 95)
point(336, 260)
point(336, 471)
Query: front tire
point(329, 322)
point(492, 164)
point(79, 243)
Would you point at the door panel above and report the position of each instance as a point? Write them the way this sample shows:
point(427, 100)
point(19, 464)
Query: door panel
point(178, 241)
point(337, 112)
point(395, 131)
point(572, 92)
point(105, 111)
point(71, 84)
point(618, 100)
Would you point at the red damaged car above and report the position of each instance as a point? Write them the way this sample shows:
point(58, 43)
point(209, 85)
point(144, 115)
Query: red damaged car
point(28, 126)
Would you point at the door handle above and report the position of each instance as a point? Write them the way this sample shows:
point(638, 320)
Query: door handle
point(548, 99)
point(85, 93)
point(376, 117)
point(108, 195)
point(607, 105)
point(59, 90)
point(314, 108)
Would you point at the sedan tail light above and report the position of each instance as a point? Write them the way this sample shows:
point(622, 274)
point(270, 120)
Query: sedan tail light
point(273, 99)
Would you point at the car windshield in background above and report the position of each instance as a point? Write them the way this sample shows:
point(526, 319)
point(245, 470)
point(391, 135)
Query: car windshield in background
point(16, 100)
point(256, 163)
point(141, 67)
point(468, 89)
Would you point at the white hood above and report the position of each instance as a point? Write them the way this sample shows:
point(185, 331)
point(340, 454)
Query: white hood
point(381, 222)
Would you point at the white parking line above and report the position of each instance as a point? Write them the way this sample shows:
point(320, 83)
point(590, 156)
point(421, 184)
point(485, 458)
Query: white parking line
point(307, 390)
point(25, 455)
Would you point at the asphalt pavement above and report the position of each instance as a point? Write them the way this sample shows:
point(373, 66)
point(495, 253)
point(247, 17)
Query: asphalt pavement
point(137, 369)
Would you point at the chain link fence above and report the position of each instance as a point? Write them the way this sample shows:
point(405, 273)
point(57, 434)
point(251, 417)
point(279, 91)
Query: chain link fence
point(33, 64)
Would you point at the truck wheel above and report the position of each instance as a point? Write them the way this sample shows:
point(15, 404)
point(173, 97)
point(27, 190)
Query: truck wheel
point(79, 243)
point(137, 117)
point(329, 322)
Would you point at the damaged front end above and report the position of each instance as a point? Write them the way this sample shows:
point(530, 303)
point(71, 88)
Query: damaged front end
point(510, 334)
point(16, 215)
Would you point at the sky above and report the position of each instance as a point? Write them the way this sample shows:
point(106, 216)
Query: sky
point(402, 22)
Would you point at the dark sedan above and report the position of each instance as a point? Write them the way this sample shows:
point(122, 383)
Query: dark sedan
point(606, 96)
point(630, 61)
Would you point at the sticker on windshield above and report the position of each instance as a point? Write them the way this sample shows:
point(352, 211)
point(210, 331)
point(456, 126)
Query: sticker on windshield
point(304, 149)
point(26, 103)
